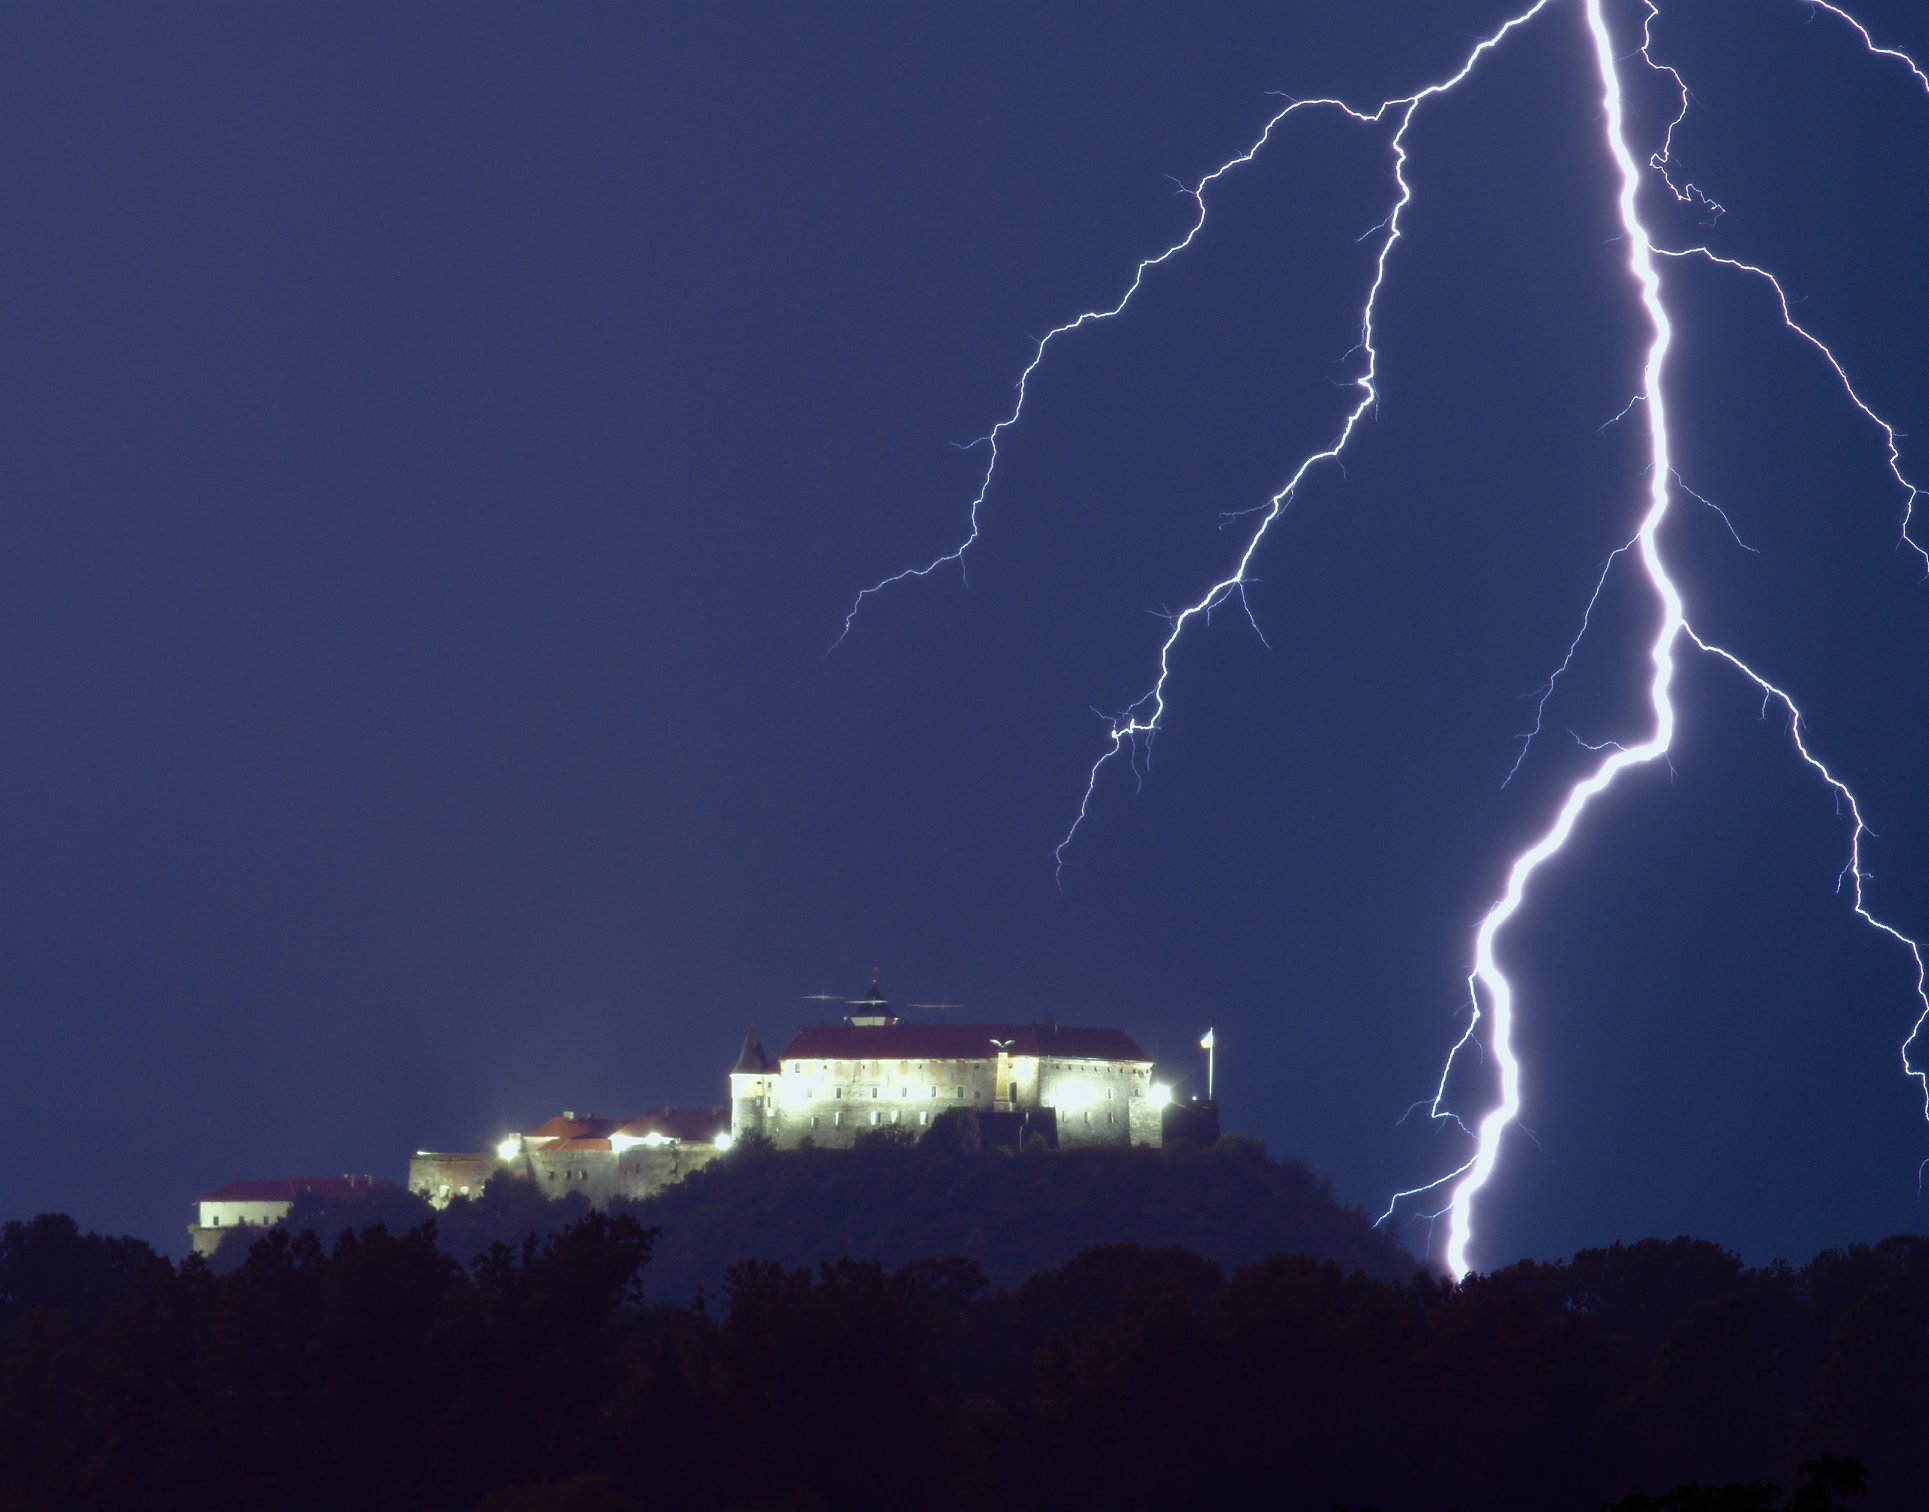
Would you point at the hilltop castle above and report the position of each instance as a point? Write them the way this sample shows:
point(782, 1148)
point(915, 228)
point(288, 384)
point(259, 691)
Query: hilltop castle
point(832, 1085)
point(836, 1082)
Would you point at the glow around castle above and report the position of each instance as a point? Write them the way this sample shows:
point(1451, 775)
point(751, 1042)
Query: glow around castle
point(834, 1084)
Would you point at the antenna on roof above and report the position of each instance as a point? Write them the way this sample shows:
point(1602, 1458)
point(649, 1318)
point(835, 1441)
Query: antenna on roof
point(872, 999)
point(872, 1009)
point(939, 1006)
point(822, 997)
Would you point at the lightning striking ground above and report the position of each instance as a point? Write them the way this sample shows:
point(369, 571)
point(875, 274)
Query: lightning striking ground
point(1488, 981)
point(1491, 1001)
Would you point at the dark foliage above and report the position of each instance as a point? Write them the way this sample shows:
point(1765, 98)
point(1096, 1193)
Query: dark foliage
point(1015, 1214)
point(374, 1370)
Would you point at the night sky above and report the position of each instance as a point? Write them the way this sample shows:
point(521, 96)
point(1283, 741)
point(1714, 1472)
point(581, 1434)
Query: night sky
point(443, 441)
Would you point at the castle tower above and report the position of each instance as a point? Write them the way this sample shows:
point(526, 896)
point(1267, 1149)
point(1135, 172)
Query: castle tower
point(750, 1089)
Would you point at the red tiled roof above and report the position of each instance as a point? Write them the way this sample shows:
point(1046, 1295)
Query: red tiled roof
point(563, 1127)
point(288, 1188)
point(960, 1042)
point(686, 1125)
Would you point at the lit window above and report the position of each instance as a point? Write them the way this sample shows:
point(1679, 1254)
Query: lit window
point(813, 1120)
point(874, 1118)
point(837, 1119)
point(924, 1116)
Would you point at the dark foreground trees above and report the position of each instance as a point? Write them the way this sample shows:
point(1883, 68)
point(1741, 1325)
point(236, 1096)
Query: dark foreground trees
point(376, 1371)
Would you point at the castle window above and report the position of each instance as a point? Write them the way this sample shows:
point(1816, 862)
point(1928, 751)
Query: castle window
point(874, 1118)
point(904, 1091)
point(837, 1091)
point(1110, 1093)
point(874, 1094)
point(961, 1091)
point(813, 1120)
point(895, 1115)
point(923, 1116)
point(837, 1119)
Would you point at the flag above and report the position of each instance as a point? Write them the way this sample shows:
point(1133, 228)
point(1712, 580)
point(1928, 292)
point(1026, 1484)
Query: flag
point(1206, 1043)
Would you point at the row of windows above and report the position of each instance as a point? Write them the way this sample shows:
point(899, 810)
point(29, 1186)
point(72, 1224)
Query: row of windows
point(837, 1118)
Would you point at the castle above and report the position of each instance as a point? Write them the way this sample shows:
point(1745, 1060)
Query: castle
point(833, 1084)
point(837, 1082)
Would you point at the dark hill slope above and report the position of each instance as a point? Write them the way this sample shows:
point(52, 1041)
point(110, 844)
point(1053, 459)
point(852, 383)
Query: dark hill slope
point(1015, 1214)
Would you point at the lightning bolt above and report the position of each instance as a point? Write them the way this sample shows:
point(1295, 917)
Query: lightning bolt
point(1491, 998)
point(1401, 108)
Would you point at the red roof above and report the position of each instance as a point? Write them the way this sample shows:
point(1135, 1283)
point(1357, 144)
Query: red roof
point(564, 1127)
point(288, 1188)
point(686, 1125)
point(960, 1042)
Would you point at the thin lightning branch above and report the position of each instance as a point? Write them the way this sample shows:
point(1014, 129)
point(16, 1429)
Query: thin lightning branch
point(1662, 161)
point(1133, 723)
point(1869, 42)
point(1403, 108)
point(1890, 436)
point(1547, 688)
point(1852, 872)
point(1711, 504)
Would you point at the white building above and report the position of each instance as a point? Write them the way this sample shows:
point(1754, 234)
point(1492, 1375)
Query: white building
point(260, 1204)
point(834, 1082)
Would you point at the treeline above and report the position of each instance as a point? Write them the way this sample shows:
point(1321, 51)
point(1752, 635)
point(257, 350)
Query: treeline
point(378, 1372)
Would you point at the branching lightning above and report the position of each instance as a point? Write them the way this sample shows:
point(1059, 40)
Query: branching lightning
point(1491, 999)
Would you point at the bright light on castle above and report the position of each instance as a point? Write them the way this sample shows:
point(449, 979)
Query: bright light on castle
point(723, 1141)
point(507, 1149)
point(1160, 1095)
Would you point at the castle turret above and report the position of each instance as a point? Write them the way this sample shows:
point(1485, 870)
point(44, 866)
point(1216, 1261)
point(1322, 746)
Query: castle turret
point(750, 1088)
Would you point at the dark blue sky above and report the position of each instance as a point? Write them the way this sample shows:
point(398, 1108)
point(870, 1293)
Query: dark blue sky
point(443, 442)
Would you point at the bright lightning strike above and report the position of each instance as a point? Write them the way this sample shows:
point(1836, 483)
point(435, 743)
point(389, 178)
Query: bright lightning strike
point(1492, 999)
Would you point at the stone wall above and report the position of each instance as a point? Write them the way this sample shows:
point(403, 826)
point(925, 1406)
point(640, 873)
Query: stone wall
point(833, 1102)
point(441, 1176)
point(599, 1175)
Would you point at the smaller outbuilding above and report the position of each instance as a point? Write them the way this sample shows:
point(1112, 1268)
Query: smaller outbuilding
point(260, 1204)
point(602, 1158)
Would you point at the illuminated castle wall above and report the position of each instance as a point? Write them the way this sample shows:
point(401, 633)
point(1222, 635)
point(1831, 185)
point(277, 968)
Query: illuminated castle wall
point(836, 1082)
point(600, 1157)
point(833, 1084)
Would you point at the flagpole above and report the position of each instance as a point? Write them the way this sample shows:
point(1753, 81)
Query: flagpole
point(1209, 1044)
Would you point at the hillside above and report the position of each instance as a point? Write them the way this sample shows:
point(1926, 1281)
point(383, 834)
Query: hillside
point(1014, 1214)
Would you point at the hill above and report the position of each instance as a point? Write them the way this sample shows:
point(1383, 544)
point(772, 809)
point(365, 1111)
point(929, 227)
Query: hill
point(1015, 1214)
